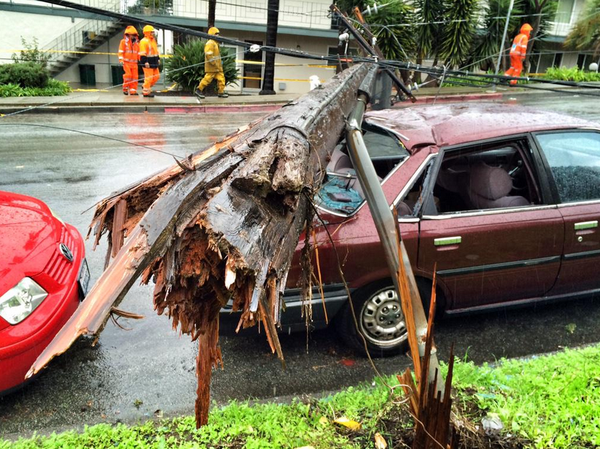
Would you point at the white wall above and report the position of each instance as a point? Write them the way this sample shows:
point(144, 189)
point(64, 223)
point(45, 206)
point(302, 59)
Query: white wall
point(14, 25)
point(296, 72)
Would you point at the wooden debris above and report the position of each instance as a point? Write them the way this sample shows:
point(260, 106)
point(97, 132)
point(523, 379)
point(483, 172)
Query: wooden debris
point(222, 224)
point(429, 406)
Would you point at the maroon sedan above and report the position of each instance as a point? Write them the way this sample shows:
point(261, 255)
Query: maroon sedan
point(43, 277)
point(506, 201)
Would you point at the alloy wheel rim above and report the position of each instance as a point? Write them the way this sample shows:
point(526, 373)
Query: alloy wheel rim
point(381, 319)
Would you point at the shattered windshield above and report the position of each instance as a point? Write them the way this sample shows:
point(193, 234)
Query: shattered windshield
point(341, 190)
point(575, 163)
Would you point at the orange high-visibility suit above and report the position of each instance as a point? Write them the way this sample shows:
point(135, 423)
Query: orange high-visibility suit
point(518, 52)
point(149, 60)
point(129, 57)
point(213, 67)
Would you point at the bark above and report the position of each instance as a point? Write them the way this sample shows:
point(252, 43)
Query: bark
point(222, 224)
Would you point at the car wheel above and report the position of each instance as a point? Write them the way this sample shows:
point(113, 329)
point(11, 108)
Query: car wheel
point(380, 321)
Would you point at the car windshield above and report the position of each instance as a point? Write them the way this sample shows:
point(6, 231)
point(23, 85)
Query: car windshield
point(341, 192)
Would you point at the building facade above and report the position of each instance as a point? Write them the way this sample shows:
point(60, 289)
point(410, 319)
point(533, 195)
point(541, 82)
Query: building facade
point(83, 47)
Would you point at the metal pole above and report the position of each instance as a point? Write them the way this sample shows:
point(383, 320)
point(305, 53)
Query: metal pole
point(510, 7)
point(383, 218)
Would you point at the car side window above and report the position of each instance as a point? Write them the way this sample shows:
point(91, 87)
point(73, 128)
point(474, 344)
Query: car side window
point(482, 177)
point(574, 159)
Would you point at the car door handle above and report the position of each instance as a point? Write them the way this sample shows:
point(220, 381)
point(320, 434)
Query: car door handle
point(447, 241)
point(586, 225)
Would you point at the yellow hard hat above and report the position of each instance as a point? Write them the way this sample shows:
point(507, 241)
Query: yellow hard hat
point(148, 29)
point(131, 30)
point(213, 30)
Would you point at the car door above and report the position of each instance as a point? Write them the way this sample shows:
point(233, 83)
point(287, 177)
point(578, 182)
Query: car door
point(506, 248)
point(572, 159)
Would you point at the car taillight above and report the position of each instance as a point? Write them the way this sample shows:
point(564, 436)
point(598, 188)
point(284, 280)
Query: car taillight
point(21, 300)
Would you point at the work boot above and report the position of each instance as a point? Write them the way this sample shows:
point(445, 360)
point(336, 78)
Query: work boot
point(150, 95)
point(198, 93)
point(132, 92)
point(125, 92)
point(223, 95)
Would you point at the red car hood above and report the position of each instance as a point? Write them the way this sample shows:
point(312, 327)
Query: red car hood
point(28, 237)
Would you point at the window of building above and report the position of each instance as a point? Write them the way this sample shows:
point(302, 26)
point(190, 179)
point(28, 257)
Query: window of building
point(564, 12)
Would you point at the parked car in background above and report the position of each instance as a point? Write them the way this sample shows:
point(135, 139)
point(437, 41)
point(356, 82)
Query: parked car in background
point(43, 278)
point(504, 199)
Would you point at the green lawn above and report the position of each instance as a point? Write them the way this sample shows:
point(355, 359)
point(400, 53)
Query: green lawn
point(551, 401)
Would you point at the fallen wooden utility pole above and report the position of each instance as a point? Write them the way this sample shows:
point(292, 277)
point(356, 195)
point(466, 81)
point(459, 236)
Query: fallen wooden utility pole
point(221, 224)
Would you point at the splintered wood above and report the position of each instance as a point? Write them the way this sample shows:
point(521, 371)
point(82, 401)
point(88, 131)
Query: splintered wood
point(221, 224)
point(429, 406)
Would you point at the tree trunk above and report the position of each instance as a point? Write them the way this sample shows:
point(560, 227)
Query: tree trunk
point(539, 6)
point(271, 41)
point(224, 223)
point(212, 6)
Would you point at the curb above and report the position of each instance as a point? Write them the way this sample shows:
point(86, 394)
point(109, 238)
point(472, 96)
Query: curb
point(241, 108)
point(183, 109)
point(221, 109)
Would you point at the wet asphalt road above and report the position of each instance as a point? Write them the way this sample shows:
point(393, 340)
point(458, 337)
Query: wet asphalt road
point(148, 370)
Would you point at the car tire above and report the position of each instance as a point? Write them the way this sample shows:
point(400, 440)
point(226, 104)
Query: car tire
point(380, 320)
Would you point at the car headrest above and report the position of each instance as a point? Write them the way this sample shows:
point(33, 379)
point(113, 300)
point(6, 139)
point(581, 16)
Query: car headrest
point(489, 182)
point(339, 161)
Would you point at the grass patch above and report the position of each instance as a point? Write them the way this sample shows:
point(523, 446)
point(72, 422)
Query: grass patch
point(545, 402)
point(553, 400)
point(53, 89)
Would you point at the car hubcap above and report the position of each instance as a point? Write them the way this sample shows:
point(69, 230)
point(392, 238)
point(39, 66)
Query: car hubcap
point(381, 319)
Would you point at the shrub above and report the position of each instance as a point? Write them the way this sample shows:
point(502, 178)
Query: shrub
point(54, 88)
point(570, 74)
point(24, 74)
point(31, 54)
point(186, 66)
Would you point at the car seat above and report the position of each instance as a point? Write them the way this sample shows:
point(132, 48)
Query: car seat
point(487, 187)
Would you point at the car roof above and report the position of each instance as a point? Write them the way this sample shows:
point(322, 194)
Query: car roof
point(456, 123)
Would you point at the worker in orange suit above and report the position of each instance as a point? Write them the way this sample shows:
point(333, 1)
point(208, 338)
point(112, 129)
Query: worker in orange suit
point(129, 57)
point(213, 67)
point(518, 52)
point(149, 60)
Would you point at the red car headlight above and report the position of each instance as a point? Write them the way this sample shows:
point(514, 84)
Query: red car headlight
point(21, 300)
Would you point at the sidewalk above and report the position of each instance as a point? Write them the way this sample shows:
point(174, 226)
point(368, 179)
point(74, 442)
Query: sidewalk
point(110, 99)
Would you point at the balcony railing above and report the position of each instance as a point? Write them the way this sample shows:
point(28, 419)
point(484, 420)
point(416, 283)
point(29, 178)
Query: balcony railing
point(78, 36)
point(293, 13)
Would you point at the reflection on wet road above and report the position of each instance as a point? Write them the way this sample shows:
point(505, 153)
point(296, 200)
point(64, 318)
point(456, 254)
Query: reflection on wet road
point(148, 369)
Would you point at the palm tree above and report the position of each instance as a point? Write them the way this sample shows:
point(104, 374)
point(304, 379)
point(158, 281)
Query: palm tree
point(458, 32)
point(428, 14)
point(487, 45)
point(212, 6)
point(271, 41)
point(540, 12)
point(392, 26)
point(586, 33)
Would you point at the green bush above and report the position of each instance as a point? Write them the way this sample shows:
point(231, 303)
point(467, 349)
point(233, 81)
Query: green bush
point(24, 74)
point(571, 74)
point(31, 54)
point(186, 66)
point(54, 88)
